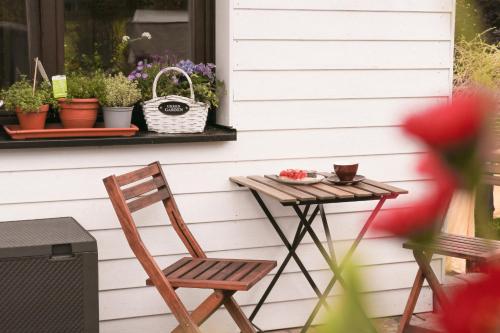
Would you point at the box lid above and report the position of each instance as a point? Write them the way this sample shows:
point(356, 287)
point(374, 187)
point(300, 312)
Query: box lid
point(44, 237)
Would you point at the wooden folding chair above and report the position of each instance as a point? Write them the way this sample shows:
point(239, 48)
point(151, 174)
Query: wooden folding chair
point(148, 186)
point(475, 250)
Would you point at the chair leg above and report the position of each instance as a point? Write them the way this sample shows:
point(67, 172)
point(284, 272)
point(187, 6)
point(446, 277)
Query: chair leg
point(412, 302)
point(204, 310)
point(238, 316)
point(429, 275)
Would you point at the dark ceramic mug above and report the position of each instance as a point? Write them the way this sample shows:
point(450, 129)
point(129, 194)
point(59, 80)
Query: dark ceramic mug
point(345, 172)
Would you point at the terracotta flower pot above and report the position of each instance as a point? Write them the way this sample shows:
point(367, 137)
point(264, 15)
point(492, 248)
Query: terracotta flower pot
point(78, 112)
point(32, 120)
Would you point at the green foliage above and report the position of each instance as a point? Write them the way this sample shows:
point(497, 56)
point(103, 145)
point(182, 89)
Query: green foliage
point(477, 63)
point(474, 16)
point(20, 95)
point(85, 85)
point(348, 315)
point(205, 90)
point(119, 91)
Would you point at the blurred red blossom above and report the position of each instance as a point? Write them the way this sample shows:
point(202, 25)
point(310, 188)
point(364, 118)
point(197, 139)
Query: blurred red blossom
point(421, 215)
point(447, 125)
point(475, 307)
point(452, 131)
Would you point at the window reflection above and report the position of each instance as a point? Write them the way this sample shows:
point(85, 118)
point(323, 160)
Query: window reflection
point(94, 31)
point(13, 41)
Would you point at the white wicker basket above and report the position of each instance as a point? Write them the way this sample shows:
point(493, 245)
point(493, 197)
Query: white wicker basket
point(175, 114)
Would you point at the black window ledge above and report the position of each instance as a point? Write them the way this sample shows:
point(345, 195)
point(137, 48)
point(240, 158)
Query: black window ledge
point(212, 133)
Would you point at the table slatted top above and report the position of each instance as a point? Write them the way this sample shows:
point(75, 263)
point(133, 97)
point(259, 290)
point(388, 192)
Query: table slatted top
point(323, 192)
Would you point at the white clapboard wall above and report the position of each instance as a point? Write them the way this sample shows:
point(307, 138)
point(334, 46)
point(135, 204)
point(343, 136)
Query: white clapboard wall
point(308, 83)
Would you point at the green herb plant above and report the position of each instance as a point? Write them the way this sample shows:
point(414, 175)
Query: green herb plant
point(20, 96)
point(119, 91)
point(85, 85)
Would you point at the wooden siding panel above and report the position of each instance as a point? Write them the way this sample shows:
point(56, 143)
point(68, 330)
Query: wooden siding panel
point(324, 55)
point(362, 5)
point(279, 115)
point(336, 25)
point(306, 85)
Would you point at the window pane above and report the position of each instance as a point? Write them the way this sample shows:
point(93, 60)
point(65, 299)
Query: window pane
point(13, 41)
point(94, 30)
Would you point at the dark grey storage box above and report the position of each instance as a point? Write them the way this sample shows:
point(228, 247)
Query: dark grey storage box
point(48, 277)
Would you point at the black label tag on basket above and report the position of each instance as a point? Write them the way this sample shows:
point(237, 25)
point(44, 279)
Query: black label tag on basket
point(173, 108)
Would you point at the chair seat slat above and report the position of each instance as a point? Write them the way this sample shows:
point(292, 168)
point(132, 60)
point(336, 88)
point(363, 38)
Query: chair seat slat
point(228, 270)
point(471, 240)
point(148, 200)
point(142, 188)
point(185, 269)
point(207, 264)
point(208, 274)
point(243, 271)
point(491, 179)
point(466, 248)
point(177, 265)
point(471, 248)
point(131, 177)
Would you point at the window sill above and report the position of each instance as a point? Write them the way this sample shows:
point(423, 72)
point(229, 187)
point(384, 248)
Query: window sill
point(212, 133)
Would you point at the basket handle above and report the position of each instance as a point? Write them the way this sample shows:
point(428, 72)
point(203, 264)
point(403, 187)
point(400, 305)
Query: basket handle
point(172, 69)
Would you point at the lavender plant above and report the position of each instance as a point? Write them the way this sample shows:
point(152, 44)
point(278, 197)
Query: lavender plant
point(206, 87)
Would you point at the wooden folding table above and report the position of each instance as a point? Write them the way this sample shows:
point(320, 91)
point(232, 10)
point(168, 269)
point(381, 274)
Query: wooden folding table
point(314, 196)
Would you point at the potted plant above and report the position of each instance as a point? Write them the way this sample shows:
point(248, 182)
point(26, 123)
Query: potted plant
point(207, 89)
point(79, 108)
point(31, 106)
point(118, 99)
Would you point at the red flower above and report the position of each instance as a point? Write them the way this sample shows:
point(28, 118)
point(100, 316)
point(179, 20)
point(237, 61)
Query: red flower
point(475, 307)
point(422, 215)
point(450, 124)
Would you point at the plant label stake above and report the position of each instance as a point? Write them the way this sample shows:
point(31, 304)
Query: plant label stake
point(34, 75)
point(42, 71)
point(59, 86)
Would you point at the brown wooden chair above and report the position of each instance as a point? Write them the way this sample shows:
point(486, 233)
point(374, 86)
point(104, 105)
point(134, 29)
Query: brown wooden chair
point(475, 250)
point(225, 276)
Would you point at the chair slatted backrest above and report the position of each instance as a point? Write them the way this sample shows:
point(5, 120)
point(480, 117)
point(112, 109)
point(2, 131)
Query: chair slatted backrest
point(144, 187)
point(492, 171)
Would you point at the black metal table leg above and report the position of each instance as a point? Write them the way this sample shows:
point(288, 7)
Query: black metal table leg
point(299, 234)
point(327, 234)
point(347, 257)
point(304, 223)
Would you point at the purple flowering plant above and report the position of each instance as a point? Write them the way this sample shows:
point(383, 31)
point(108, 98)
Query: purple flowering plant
point(207, 88)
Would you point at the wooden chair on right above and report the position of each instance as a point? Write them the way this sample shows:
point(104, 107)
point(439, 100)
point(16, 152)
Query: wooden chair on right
point(475, 250)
